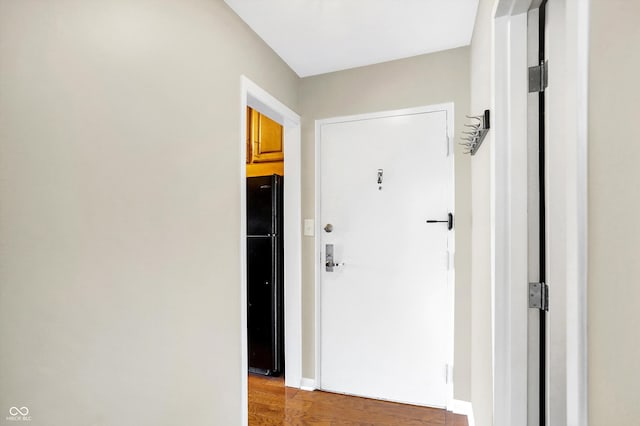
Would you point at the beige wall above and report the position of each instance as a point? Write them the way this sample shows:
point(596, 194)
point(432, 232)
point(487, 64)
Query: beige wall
point(481, 334)
point(119, 208)
point(614, 203)
point(423, 80)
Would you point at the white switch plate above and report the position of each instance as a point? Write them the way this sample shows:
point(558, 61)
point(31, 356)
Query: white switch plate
point(308, 227)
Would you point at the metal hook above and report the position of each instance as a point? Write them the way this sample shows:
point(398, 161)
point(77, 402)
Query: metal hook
point(475, 132)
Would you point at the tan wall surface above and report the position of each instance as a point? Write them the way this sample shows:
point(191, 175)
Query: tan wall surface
point(423, 80)
point(614, 203)
point(119, 208)
point(481, 335)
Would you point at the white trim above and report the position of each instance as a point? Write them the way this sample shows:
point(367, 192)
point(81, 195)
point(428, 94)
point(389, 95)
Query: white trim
point(307, 384)
point(463, 408)
point(254, 96)
point(509, 227)
point(566, 213)
point(568, 33)
point(317, 257)
point(577, 349)
point(449, 109)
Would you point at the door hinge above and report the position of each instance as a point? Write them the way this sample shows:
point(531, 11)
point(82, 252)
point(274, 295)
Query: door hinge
point(539, 77)
point(448, 373)
point(539, 296)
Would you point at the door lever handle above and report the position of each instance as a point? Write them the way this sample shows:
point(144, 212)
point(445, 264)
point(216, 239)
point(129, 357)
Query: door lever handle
point(449, 221)
point(331, 265)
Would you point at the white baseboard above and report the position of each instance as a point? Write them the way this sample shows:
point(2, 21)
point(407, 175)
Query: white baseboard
point(307, 384)
point(462, 407)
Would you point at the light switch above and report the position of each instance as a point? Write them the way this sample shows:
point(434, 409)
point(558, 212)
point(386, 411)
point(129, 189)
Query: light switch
point(308, 227)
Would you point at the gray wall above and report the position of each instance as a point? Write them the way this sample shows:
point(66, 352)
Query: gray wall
point(119, 208)
point(423, 80)
point(614, 202)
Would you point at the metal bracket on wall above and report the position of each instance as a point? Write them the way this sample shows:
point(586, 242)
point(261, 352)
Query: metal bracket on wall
point(539, 296)
point(478, 130)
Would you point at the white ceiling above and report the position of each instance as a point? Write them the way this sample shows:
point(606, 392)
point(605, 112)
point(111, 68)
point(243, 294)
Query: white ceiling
point(320, 36)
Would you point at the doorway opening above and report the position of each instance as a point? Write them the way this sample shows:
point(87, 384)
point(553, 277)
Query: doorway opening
point(265, 249)
point(540, 369)
point(263, 106)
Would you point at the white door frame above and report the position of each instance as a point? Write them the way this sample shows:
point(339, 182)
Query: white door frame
point(566, 212)
point(255, 97)
point(319, 263)
point(509, 219)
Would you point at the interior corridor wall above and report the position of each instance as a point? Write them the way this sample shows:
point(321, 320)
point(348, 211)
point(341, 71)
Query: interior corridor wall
point(481, 289)
point(422, 80)
point(119, 208)
point(614, 202)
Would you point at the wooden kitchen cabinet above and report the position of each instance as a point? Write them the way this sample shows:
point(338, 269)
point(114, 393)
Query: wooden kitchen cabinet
point(266, 139)
point(265, 145)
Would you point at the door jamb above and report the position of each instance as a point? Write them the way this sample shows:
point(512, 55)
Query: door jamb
point(509, 227)
point(255, 97)
point(449, 109)
point(566, 213)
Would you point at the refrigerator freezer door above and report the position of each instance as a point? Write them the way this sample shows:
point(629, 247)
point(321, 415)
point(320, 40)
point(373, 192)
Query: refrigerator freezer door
point(263, 195)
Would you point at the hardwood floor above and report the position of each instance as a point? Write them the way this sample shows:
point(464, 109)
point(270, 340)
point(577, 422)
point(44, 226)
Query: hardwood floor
point(271, 403)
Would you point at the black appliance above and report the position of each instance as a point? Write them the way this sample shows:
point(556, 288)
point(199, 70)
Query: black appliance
point(265, 278)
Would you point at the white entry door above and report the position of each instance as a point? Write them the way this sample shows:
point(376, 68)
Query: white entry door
point(386, 309)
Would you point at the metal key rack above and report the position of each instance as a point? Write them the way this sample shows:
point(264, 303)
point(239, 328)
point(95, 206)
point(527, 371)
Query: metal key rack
point(478, 129)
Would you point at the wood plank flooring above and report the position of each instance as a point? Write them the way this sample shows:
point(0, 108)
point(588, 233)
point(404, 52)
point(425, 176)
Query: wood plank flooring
point(271, 403)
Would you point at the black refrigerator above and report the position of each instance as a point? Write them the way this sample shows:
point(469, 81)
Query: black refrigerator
point(265, 277)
